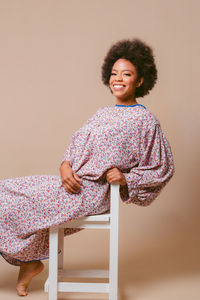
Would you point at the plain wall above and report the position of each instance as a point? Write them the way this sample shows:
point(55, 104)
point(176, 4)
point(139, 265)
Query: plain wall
point(50, 83)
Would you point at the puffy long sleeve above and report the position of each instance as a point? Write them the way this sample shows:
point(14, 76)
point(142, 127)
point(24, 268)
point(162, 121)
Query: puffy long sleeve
point(153, 171)
point(66, 155)
point(84, 127)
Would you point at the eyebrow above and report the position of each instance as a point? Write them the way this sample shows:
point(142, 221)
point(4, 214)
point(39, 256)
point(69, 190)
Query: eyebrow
point(124, 70)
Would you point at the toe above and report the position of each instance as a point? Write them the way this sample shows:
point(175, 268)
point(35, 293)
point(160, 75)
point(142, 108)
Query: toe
point(22, 291)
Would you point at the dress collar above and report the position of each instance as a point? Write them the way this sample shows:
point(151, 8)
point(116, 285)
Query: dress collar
point(123, 105)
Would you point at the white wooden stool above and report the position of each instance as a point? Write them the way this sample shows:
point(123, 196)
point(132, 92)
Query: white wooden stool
point(108, 220)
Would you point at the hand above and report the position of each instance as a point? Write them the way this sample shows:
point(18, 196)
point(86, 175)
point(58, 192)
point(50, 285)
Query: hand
point(115, 175)
point(70, 180)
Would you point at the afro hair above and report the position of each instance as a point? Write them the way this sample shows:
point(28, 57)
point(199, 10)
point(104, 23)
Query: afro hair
point(140, 55)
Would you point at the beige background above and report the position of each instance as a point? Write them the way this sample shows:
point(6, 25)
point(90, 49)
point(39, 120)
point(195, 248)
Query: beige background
point(50, 83)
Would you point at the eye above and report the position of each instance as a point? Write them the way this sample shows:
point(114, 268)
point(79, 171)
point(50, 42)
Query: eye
point(127, 74)
point(113, 73)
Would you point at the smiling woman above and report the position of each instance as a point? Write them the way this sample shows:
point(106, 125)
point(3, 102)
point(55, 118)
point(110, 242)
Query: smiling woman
point(123, 81)
point(123, 143)
point(133, 55)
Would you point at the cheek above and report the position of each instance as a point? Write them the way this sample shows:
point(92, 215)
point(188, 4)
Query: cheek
point(132, 84)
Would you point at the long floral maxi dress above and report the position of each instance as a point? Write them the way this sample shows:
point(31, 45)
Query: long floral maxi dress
point(126, 137)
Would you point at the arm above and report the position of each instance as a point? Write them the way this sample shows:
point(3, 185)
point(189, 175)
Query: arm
point(155, 168)
point(67, 154)
point(70, 180)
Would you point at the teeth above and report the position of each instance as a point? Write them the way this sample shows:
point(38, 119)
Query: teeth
point(117, 85)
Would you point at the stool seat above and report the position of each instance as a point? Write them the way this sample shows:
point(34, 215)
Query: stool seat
point(108, 220)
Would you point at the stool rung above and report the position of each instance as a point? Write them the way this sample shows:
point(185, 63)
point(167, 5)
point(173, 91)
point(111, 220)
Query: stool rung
point(94, 218)
point(102, 217)
point(83, 224)
point(83, 287)
point(80, 287)
point(87, 273)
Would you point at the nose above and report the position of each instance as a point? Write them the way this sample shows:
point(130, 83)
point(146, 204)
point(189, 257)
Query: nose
point(118, 77)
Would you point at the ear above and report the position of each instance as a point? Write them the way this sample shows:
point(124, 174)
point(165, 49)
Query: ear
point(140, 81)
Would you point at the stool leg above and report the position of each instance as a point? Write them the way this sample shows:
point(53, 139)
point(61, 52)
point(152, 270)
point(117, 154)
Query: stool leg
point(61, 247)
point(113, 260)
point(53, 263)
point(113, 268)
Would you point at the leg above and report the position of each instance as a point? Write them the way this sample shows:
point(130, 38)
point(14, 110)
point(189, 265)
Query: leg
point(27, 271)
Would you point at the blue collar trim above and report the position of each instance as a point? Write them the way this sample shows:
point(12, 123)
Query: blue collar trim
point(129, 105)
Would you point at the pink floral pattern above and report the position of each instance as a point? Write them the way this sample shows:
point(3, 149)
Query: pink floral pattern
point(129, 138)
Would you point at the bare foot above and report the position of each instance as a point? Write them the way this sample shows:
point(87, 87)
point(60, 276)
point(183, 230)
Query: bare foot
point(27, 271)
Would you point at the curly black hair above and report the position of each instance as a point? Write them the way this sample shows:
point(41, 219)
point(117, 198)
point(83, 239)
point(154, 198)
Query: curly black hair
point(140, 55)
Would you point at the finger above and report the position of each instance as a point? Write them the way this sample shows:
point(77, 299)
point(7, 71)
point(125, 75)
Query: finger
point(112, 176)
point(73, 183)
point(113, 179)
point(77, 177)
point(75, 188)
point(70, 189)
point(110, 171)
point(114, 171)
point(67, 189)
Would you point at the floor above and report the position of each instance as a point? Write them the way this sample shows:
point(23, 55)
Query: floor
point(168, 269)
point(142, 281)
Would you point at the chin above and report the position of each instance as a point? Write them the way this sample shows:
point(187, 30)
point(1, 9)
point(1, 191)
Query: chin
point(119, 95)
point(121, 98)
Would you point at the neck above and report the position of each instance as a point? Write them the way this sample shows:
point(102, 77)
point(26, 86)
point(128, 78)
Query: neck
point(126, 101)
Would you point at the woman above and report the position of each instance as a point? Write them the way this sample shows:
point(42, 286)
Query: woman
point(122, 143)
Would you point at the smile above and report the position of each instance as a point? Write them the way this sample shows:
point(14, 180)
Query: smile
point(118, 86)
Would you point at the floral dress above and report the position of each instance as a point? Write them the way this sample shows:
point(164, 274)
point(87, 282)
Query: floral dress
point(128, 137)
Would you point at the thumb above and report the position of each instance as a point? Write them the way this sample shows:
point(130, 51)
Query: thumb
point(77, 177)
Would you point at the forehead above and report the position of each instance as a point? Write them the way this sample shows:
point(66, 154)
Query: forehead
point(123, 64)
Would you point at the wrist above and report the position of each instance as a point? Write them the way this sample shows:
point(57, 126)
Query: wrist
point(65, 164)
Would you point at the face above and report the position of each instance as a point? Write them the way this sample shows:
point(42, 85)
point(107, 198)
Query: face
point(124, 80)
